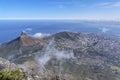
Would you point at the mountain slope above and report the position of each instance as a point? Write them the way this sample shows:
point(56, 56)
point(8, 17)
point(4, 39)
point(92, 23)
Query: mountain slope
point(67, 56)
point(23, 45)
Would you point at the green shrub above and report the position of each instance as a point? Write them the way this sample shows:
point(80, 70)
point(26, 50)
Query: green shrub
point(12, 75)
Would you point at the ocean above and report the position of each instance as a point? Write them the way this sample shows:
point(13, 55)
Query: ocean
point(10, 29)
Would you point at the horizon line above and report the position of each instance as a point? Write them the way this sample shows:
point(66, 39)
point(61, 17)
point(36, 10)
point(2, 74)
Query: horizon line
point(58, 19)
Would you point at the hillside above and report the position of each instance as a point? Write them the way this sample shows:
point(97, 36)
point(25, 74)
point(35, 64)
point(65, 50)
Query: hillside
point(22, 46)
point(66, 56)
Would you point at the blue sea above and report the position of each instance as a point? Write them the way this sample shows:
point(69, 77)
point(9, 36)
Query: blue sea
point(10, 29)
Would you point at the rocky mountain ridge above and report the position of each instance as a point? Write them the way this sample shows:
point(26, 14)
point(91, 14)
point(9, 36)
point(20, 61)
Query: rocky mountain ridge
point(67, 55)
point(23, 44)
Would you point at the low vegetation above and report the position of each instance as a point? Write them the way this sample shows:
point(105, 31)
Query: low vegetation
point(12, 75)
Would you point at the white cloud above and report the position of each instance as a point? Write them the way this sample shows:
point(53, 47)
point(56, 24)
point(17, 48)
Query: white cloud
point(40, 35)
point(63, 54)
point(117, 4)
point(104, 30)
point(28, 29)
point(109, 5)
point(51, 52)
point(104, 4)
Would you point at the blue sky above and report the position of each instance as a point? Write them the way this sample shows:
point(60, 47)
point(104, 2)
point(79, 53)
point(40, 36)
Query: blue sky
point(60, 9)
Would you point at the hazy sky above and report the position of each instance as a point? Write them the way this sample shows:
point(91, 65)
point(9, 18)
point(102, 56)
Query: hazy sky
point(60, 9)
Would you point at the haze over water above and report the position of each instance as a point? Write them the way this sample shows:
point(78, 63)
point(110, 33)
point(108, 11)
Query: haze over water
point(10, 29)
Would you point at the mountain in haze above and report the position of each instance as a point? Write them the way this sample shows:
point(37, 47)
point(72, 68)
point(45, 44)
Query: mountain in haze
point(23, 45)
point(66, 56)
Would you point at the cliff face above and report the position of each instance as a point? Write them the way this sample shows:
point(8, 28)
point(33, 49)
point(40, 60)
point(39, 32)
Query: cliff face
point(67, 55)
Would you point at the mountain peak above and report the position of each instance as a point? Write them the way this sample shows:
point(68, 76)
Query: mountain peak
point(25, 37)
point(23, 33)
point(26, 40)
point(23, 44)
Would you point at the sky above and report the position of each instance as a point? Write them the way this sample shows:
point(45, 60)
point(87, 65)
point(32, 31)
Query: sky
point(60, 9)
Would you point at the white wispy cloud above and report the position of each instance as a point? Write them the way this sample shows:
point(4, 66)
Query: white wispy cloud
point(117, 4)
point(28, 29)
point(39, 35)
point(104, 30)
point(65, 4)
point(109, 4)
